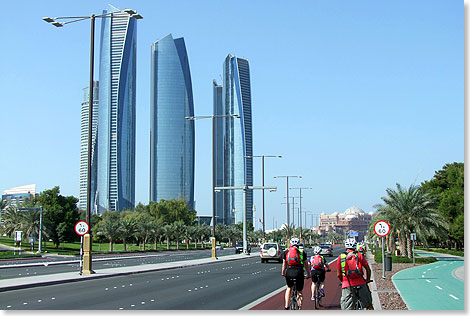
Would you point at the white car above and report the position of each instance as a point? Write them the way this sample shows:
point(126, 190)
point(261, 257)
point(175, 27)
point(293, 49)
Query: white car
point(270, 251)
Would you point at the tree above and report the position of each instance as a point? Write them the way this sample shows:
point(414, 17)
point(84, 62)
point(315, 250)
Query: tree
point(144, 227)
point(447, 187)
point(168, 233)
point(411, 211)
point(179, 230)
point(128, 226)
point(110, 227)
point(170, 211)
point(60, 214)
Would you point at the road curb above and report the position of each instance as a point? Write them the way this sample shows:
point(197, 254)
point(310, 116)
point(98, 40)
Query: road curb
point(76, 277)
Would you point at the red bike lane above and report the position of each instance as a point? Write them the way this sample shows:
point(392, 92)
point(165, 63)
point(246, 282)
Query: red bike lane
point(331, 301)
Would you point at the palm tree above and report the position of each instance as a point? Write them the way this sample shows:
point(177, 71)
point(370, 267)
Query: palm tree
point(412, 210)
point(179, 229)
point(109, 227)
point(12, 219)
point(157, 231)
point(204, 231)
point(168, 233)
point(128, 227)
point(144, 227)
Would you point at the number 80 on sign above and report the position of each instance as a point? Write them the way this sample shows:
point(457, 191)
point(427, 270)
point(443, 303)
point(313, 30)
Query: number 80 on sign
point(382, 228)
point(82, 228)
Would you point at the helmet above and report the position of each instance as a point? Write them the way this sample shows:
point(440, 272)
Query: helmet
point(295, 242)
point(350, 243)
point(317, 250)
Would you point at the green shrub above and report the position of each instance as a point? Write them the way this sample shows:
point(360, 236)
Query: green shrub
point(10, 255)
point(401, 259)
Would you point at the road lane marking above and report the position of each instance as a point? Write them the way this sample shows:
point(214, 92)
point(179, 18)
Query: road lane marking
point(39, 301)
point(455, 298)
point(428, 281)
point(440, 288)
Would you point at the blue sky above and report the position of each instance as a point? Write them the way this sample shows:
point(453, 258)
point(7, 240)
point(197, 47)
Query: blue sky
point(355, 95)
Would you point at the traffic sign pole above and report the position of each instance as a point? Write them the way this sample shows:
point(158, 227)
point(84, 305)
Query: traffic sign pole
point(383, 258)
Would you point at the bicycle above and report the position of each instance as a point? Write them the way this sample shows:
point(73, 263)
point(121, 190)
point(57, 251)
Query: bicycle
point(357, 303)
point(293, 302)
point(317, 294)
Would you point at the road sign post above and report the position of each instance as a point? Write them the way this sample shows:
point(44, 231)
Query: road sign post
point(382, 229)
point(82, 228)
point(413, 238)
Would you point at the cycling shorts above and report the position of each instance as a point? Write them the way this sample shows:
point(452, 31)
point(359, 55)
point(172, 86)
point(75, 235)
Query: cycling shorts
point(318, 275)
point(296, 274)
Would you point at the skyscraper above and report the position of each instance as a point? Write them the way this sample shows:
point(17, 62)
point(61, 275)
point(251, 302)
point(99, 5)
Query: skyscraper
point(82, 203)
point(236, 142)
point(116, 125)
point(171, 135)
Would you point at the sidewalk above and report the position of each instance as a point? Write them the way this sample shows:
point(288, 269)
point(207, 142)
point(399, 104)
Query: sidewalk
point(33, 281)
point(375, 295)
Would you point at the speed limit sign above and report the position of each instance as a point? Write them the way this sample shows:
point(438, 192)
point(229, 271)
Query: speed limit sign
point(382, 228)
point(82, 228)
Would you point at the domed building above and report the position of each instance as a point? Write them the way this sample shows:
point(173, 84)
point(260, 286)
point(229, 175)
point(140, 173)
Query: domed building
point(353, 219)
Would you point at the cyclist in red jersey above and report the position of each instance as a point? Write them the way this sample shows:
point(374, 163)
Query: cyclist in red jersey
point(353, 276)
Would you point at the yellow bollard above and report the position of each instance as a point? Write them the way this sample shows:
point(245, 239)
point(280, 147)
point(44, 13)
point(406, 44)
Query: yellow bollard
point(87, 263)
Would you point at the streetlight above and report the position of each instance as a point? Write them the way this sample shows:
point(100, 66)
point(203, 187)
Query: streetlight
point(244, 188)
point(87, 263)
point(262, 167)
point(193, 118)
point(287, 201)
point(300, 207)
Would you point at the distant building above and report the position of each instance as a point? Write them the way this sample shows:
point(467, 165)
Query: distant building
point(352, 220)
point(233, 141)
point(204, 220)
point(82, 202)
point(172, 138)
point(115, 177)
point(16, 196)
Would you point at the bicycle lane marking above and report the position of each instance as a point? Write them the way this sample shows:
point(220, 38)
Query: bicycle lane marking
point(417, 285)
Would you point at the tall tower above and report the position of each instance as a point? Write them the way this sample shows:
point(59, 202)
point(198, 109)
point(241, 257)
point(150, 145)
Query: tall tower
point(171, 135)
point(116, 124)
point(237, 138)
point(82, 203)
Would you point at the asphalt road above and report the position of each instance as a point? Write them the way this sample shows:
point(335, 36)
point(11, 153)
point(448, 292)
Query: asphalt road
point(227, 285)
point(51, 265)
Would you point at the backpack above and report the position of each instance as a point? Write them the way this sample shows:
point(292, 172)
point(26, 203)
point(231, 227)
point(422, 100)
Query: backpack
point(293, 257)
point(350, 265)
point(317, 262)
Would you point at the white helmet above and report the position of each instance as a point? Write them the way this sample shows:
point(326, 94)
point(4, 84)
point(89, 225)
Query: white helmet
point(294, 241)
point(317, 250)
point(350, 243)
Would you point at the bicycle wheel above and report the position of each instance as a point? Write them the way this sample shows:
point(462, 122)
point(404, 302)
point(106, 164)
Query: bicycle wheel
point(317, 296)
point(293, 304)
point(319, 293)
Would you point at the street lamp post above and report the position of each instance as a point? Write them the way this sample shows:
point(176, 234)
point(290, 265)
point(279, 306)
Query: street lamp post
point(71, 19)
point(287, 201)
point(244, 188)
point(193, 118)
point(262, 168)
point(300, 207)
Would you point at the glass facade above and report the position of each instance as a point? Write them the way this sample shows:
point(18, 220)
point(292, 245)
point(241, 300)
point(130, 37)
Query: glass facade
point(116, 124)
point(237, 140)
point(82, 203)
point(171, 135)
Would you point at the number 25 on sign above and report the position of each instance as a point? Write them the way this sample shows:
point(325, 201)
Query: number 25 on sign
point(382, 228)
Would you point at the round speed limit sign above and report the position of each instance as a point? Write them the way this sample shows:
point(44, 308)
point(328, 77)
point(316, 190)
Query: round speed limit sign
point(382, 228)
point(82, 228)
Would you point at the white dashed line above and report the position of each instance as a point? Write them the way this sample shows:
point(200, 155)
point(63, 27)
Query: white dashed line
point(428, 281)
point(132, 305)
point(440, 288)
point(25, 303)
point(52, 298)
point(455, 298)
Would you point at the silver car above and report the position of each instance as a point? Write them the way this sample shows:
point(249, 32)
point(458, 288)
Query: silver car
point(270, 251)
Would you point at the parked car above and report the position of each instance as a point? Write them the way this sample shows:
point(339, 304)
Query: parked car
point(239, 247)
point(270, 251)
point(326, 249)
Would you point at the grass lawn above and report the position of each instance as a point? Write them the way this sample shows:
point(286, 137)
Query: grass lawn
point(73, 249)
point(441, 250)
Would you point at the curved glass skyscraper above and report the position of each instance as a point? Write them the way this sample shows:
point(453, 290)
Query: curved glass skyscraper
point(234, 140)
point(171, 135)
point(117, 107)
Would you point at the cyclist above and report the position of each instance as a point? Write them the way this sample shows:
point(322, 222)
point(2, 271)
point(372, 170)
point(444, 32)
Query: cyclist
point(350, 272)
point(317, 265)
point(293, 269)
point(361, 248)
